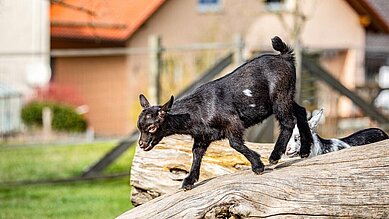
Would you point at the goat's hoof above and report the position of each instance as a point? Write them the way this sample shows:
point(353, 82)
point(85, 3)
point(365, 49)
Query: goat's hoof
point(274, 158)
point(304, 155)
point(188, 183)
point(186, 187)
point(305, 151)
point(258, 169)
point(273, 162)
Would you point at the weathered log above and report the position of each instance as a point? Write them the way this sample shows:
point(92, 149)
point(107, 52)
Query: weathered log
point(351, 183)
point(161, 170)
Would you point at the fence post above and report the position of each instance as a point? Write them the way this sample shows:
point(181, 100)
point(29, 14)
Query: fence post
point(47, 118)
point(298, 54)
point(155, 68)
point(238, 49)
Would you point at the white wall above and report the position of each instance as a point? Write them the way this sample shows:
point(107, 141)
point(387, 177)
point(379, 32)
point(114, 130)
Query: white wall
point(24, 40)
point(24, 44)
point(329, 24)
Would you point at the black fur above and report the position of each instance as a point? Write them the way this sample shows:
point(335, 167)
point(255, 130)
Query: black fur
point(365, 136)
point(359, 138)
point(225, 107)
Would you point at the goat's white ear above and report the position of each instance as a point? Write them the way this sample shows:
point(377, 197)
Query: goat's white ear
point(166, 107)
point(314, 121)
point(143, 101)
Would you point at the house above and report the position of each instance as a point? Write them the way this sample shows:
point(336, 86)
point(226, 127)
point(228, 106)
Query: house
point(111, 84)
point(24, 56)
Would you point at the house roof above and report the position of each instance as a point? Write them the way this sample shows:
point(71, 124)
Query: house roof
point(117, 20)
point(113, 20)
point(374, 14)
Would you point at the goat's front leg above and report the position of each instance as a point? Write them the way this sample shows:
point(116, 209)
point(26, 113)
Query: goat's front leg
point(305, 132)
point(198, 150)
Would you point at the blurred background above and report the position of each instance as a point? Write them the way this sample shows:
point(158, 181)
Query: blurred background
point(71, 72)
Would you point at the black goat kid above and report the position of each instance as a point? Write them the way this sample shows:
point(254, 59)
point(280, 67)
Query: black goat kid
point(225, 107)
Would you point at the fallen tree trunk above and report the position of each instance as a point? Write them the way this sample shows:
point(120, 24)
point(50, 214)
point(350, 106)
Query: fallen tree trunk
point(351, 183)
point(161, 170)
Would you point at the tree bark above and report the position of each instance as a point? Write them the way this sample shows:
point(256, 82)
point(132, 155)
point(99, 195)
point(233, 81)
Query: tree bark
point(161, 170)
point(351, 183)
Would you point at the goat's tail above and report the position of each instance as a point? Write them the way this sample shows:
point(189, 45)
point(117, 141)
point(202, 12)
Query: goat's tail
point(280, 46)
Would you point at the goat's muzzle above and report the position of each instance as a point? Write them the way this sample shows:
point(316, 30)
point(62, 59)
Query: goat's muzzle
point(290, 153)
point(146, 146)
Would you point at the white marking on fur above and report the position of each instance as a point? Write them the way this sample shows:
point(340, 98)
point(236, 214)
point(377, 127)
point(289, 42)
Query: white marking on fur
point(253, 105)
point(316, 148)
point(294, 145)
point(248, 93)
point(337, 144)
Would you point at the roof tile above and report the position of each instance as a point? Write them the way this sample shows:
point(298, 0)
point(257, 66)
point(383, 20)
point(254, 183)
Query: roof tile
point(100, 19)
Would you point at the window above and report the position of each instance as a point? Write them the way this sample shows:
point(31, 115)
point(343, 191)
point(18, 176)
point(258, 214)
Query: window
point(275, 5)
point(209, 5)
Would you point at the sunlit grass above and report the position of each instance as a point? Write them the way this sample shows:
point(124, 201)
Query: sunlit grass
point(86, 199)
point(97, 199)
point(52, 162)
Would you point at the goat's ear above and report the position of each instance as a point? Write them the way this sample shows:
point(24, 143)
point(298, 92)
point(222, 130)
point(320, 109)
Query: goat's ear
point(143, 101)
point(166, 107)
point(314, 121)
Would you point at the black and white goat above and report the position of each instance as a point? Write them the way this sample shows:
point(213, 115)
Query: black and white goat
point(225, 107)
point(323, 146)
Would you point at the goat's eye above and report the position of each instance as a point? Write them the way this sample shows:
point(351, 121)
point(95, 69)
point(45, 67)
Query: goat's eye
point(296, 138)
point(152, 129)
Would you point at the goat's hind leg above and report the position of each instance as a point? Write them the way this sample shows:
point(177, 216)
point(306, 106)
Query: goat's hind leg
point(198, 150)
point(287, 122)
point(255, 159)
point(305, 132)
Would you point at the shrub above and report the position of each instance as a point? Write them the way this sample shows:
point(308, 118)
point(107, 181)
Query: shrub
point(65, 118)
point(32, 113)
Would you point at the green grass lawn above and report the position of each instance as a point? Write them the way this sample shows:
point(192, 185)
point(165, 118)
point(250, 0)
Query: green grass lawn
point(96, 199)
point(87, 199)
point(52, 162)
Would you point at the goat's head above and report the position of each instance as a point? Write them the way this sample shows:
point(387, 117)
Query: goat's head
point(294, 144)
point(151, 121)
